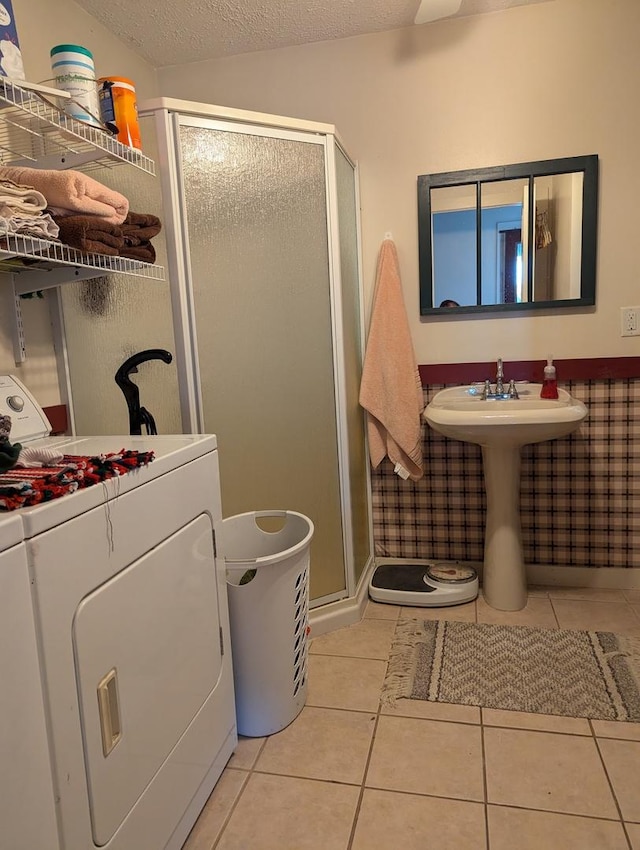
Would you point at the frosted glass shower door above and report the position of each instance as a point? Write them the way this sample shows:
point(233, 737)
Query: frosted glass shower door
point(108, 319)
point(255, 202)
point(359, 531)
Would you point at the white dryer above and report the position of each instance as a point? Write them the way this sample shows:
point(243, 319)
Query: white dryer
point(27, 815)
point(132, 622)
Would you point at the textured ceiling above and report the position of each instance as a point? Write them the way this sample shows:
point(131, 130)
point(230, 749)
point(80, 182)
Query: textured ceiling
point(174, 32)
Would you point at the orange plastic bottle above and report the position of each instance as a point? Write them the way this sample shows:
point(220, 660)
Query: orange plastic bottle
point(118, 106)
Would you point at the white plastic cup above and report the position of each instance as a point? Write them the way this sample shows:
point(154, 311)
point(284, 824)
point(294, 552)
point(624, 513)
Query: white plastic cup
point(74, 72)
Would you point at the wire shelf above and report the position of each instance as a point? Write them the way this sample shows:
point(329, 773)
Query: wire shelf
point(33, 127)
point(27, 256)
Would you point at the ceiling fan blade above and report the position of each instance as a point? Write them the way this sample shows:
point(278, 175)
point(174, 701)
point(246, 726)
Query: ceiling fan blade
point(431, 10)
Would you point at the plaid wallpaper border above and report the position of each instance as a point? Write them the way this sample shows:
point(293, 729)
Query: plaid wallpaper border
point(579, 496)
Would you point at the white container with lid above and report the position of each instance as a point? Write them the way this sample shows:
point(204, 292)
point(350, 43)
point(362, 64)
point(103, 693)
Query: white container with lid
point(74, 72)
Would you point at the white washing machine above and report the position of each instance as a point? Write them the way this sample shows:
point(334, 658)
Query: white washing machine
point(132, 625)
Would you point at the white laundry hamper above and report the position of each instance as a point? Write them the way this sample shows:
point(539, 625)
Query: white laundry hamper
point(269, 616)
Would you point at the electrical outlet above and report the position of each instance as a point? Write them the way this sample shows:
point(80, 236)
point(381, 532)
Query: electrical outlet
point(630, 321)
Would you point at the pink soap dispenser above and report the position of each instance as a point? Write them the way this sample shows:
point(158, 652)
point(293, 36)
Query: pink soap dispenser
point(550, 383)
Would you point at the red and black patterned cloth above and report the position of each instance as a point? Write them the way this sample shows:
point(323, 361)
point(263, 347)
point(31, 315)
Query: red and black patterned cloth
point(22, 488)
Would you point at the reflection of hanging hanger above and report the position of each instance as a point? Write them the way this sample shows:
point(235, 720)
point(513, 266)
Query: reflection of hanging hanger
point(543, 233)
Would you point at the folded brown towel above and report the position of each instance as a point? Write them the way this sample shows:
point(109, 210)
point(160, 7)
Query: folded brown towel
point(140, 226)
point(144, 252)
point(137, 230)
point(86, 233)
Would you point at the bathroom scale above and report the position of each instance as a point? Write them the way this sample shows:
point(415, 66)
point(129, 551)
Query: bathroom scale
point(424, 585)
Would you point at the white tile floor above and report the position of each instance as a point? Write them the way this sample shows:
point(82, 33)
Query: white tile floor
point(349, 775)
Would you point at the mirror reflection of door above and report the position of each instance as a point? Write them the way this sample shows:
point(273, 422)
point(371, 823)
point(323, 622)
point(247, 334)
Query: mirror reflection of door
point(502, 211)
point(454, 252)
point(510, 263)
point(454, 256)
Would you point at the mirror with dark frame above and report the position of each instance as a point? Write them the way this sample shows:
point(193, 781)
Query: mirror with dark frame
point(511, 237)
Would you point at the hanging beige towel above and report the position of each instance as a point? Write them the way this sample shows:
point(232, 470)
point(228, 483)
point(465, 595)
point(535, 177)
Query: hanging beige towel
point(391, 390)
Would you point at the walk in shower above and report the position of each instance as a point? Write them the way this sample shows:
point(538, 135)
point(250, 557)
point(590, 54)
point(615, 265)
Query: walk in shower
point(260, 217)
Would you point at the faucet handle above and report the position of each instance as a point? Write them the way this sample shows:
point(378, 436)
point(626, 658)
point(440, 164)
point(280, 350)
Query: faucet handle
point(513, 392)
point(486, 392)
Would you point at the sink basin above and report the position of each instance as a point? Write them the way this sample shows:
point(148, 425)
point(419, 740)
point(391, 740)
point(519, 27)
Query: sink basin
point(462, 414)
point(502, 427)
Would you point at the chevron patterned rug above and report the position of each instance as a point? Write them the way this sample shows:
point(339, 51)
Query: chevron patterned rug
point(518, 668)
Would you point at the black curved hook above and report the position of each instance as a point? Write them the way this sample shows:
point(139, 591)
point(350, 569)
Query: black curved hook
point(138, 415)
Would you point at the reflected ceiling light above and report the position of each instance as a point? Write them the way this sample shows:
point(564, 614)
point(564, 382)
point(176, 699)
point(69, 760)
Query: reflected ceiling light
point(431, 10)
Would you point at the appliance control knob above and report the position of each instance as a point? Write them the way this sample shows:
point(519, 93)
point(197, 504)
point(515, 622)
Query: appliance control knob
point(15, 403)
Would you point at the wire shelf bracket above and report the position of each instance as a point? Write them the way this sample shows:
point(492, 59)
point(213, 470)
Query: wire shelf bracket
point(19, 345)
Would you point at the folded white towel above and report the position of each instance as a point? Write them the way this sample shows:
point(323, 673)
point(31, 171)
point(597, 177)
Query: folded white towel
point(391, 390)
point(12, 208)
point(71, 192)
point(40, 226)
point(24, 199)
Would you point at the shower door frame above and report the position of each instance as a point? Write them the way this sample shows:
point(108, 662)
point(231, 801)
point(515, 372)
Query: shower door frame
point(169, 117)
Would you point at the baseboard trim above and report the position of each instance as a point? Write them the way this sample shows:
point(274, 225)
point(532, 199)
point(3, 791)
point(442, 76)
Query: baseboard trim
point(345, 612)
point(614, 578)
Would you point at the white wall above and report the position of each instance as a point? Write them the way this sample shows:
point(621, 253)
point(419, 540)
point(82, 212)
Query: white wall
point(41, 25)
point(548, 80)
point(536, 82)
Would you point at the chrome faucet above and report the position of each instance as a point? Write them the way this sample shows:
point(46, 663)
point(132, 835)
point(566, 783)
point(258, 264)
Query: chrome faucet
point(500, 391)
point(499, 378)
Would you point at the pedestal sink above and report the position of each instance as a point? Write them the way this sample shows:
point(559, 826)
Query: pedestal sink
point(502, 426)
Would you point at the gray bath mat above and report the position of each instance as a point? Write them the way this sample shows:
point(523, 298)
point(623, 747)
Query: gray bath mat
point(545, 671)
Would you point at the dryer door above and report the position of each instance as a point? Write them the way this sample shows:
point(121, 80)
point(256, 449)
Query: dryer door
point(148, 656)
